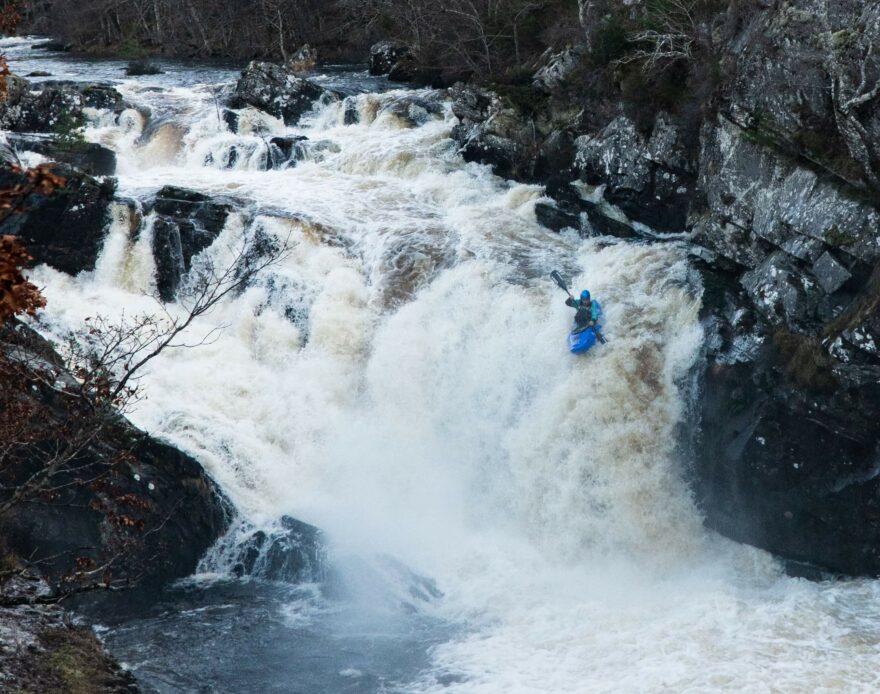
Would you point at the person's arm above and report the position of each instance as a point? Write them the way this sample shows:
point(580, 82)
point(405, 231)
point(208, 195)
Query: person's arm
point(571, 302)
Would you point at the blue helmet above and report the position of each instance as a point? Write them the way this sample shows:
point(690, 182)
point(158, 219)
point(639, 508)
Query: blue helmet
point(585, 295)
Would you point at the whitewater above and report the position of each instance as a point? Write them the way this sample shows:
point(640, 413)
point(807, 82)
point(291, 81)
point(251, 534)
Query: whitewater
point(401, 380)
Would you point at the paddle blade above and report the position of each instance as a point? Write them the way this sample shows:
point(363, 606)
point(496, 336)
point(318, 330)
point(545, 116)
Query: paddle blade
point(561, 282)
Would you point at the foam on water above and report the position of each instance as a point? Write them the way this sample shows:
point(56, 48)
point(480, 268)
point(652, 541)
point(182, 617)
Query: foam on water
point(402, 380)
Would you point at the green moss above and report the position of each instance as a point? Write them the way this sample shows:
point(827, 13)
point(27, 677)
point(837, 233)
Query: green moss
point(825, 148)
point(805, 361)
point(74, 662)
point(69, 131)
point(523, 97)
point(835, 236)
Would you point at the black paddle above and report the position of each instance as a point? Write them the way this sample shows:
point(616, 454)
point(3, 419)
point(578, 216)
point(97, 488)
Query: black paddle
point(564, 287)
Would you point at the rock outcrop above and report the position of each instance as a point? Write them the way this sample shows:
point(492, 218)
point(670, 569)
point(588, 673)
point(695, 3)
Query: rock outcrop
point(385, 55)
point(87, 157)
point(186, 223)
point(125, 501)
point(66, 228)
point(277, 91)
point(292, 551)
point(492, 131)
point(52, 106)
point(650, 179)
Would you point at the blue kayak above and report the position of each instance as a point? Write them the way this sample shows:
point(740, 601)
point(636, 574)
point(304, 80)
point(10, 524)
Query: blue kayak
point(581, 340)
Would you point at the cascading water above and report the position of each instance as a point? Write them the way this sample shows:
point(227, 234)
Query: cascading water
point(401, 380)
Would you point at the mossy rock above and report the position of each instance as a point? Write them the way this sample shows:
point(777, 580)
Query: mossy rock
point(835, 236)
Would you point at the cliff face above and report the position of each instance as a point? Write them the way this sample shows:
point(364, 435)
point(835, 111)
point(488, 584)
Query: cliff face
point(778, 195)
point(791, 410)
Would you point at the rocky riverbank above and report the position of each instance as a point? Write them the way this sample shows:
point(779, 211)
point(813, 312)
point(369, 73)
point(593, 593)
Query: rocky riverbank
point(43, 651)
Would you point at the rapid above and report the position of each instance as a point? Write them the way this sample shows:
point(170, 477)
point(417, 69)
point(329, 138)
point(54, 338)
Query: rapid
point(401, 380)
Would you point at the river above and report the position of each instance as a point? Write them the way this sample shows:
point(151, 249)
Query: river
point(502, 516)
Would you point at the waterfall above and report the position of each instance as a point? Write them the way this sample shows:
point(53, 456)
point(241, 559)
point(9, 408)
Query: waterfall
point(401, 380)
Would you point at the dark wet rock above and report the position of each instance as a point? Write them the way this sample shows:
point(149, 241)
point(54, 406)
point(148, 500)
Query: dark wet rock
point(352, 114)
point(88, 157)
point(491, 131)
point(287, 152)
point(293, 551)
point(137, 68)
point(282, 150)
point(8, 155)
point(555, 156)
point(649, 179)
point(385, 55)
point(552, 217)
point(65, 229)
point(278, 92)
point(231, 119)
point(139, 504)
point(415, 111)
point(592, 219)
point(791, 468)
point(48, 106)
point(186, 223)
point(783, 293)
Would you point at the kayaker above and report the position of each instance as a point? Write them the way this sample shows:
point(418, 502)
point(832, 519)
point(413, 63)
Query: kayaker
point(587, 310)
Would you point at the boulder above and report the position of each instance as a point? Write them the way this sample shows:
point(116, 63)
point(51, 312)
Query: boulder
point(66, 228)
point(289, 550)
point(572, 210)
point(415, 111)
point(385, 55)
point(283, 150)
point(186, 222)
point(278, 92)
point(408, 69)
point(551, 217)
point(287, 152)
point(88, 157)
point(51, 106)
